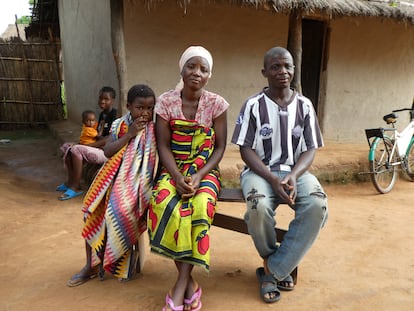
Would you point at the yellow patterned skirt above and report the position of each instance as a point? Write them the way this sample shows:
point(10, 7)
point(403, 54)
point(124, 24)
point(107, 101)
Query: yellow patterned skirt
point(180, 229)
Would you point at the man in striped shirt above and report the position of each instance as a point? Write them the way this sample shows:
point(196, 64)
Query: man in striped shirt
point(278, 133)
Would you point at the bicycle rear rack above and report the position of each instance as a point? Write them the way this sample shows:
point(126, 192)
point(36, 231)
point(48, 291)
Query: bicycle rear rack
point(376, 132)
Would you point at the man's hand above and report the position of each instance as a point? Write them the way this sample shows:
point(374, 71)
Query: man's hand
point(281, 189)
point(289, 185)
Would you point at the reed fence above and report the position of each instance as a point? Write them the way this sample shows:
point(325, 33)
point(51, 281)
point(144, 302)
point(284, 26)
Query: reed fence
point(30, 84)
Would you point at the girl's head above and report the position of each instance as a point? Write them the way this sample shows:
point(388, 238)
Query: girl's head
point(106, 98)
point(196, 65)
point(89, 118)
point(141, 102)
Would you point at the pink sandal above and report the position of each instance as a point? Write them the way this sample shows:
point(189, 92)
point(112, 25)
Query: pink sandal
point(170, 304)
point(196, 296)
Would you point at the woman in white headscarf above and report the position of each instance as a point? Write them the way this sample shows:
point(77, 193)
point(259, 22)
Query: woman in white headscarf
point(191, 129)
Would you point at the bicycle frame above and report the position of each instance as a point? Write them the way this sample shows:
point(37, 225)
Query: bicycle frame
point(377, 135)
point(402, 140)
point(389, 148)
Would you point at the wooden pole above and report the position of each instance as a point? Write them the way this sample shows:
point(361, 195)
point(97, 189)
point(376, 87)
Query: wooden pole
point(118, 50)
point(30, 88)
point(17, 27)
point(294, 46)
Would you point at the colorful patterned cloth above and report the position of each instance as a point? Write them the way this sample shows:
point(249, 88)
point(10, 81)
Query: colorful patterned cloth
point(180, 229)
point(117, 201)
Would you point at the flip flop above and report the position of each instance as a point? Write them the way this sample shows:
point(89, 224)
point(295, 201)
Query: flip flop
point(196, 296)
point(79, 279)
point(62, 187)
point(282, 284)
point(270, 287)
point(69, 194)
point(170, 304)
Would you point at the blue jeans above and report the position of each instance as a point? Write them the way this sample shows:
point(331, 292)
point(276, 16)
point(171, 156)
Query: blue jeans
point(311, 212)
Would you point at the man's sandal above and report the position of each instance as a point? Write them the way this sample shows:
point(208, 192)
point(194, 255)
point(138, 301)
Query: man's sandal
point(196, 297)
point(267, 285)
point(286, 284)
point(170, 304)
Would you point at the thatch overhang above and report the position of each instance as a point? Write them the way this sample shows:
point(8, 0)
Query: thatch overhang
point(399, 10)
point(45, 16)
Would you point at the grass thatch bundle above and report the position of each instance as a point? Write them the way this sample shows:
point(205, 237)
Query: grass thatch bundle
point(399, 10)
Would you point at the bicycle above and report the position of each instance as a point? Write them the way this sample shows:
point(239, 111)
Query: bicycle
point(389, 148)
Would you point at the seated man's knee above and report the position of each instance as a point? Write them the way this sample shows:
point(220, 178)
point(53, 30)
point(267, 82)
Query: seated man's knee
point(257, 204)
point(319, 206)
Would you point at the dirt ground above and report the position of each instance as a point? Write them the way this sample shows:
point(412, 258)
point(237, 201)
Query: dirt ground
point(363, 258)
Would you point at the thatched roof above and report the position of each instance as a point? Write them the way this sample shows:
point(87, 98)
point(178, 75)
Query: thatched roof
point(399, 10)
point(11, 32)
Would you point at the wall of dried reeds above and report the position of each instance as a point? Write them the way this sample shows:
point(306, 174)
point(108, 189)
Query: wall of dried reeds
point(30, 84)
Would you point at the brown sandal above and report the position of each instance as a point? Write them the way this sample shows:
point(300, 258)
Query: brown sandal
point(81, 277)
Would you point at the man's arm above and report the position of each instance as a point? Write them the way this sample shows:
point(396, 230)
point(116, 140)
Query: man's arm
point(302, 165)
point(253, 161)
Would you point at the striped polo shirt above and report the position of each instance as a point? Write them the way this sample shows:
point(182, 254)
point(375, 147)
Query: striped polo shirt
point(278, 135)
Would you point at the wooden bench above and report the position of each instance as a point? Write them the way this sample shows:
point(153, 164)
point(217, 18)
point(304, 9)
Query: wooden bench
point(89, 171)
point(237, 224)
point(220, 220)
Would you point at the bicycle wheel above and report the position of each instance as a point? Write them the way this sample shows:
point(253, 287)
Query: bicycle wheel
point(383, 174)
point(409, 161)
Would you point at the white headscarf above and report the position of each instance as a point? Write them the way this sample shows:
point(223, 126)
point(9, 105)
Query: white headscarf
point(193, 51)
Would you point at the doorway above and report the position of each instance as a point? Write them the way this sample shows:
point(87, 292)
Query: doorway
point(313, 39)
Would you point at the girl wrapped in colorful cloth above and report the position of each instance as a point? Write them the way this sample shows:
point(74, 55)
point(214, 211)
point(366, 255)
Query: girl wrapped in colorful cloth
point(116, 204)
point(191, 130)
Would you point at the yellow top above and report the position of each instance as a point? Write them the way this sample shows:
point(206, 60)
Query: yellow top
point(88, 135)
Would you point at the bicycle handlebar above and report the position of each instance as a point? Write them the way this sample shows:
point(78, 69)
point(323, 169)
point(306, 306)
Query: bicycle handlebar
point(407, 109)
point(412, 111)
point(403, 109)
